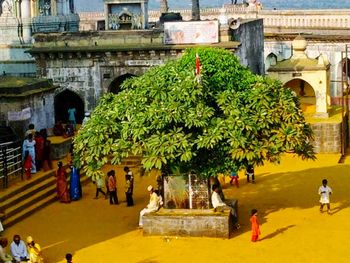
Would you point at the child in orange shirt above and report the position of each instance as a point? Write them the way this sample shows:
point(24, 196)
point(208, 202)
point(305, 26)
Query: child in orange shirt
point(255, 225)
point(27, 164)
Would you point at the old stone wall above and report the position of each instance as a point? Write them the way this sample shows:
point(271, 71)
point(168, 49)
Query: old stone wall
point(327, 137)
point(41, 108)
point(251, 36)
point(185, 222)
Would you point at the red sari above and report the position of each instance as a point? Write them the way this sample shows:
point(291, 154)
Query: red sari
point(62, 186)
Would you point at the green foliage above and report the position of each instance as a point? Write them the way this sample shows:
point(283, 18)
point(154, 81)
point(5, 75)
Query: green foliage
point(228, 119)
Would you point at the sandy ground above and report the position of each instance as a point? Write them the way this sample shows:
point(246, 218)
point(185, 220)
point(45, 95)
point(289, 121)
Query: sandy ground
point(293, 229)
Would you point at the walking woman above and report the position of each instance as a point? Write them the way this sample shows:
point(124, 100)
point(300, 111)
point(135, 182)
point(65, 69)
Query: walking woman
point(62, 186)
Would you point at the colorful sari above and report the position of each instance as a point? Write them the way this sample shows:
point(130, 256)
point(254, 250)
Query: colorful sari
point(62, 186)
point(75, 186)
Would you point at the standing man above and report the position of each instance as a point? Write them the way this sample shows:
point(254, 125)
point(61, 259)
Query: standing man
point(19, 249)
point(325, 191)
point(152, 206)
point(128, 190)
point(112, 188)
point(129, 172)
point(71, 116)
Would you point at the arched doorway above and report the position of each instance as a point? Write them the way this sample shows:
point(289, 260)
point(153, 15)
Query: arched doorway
point(306, 94)
point(271, 60)
point(114, 87)
point(65, 100)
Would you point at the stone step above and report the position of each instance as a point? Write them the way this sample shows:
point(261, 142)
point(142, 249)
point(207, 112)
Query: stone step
point(32, 200)
point(15, 190)
point(28, 211)
point(28, 192)
point(28, 202)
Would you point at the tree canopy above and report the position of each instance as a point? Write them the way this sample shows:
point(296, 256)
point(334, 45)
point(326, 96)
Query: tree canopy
point(226, 120)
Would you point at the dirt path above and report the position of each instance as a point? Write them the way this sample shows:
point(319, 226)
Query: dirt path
point(293, 229)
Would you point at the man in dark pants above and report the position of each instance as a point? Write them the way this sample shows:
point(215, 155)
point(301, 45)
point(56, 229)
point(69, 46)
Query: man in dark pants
point(128, 190)
point(112, 187)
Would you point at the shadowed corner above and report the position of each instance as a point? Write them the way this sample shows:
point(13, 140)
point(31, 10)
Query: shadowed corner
point(277, 232)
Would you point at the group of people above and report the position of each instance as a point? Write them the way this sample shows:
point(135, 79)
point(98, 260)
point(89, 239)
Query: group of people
point(249, 172)
point(36, 151)
point(111, 184)
point(66, 194)
point(219, 205)
point(20, 251)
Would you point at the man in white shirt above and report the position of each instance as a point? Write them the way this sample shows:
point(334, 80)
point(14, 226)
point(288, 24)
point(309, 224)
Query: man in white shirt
point(220, 206)
point(324, 191)
point(19, 249)
point(152, 206)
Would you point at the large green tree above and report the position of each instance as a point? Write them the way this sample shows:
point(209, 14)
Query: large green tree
point(224, 119)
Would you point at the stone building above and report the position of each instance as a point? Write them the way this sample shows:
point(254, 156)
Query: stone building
point(86, 65)
point(24, 101)
point(19, 20)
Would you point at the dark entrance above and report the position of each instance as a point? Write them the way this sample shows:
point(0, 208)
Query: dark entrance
point(114, 87)
point(65, 100)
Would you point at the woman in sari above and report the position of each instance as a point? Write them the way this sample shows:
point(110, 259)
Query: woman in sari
point(75, 186)
point(29, 145)
point(62, 185)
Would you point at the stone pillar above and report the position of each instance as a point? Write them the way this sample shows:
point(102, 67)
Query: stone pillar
point(60, 7)
point(66, 10)
point(26, 21)
point(106, 17)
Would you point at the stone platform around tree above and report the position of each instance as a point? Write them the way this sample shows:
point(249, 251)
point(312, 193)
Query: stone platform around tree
point(187, 222)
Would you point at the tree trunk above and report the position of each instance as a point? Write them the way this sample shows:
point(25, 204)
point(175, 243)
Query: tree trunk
point(164, 6)
point(195, 10)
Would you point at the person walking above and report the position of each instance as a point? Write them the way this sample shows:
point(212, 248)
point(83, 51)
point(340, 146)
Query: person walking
point(234, 177)
point(128, 190)
point(255, 225)
point(112, 188)
point(324, 191)
point(99, 186)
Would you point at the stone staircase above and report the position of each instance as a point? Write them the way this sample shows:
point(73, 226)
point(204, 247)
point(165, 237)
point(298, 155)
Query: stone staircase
point(22, 200)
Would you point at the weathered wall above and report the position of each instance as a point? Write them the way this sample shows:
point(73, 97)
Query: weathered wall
point(327, 137)
point(88, 63)
point(251, 36)
point(185, 222)
point(42, 111)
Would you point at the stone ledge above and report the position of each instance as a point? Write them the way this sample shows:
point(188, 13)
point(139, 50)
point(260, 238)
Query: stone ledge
point(186, 222)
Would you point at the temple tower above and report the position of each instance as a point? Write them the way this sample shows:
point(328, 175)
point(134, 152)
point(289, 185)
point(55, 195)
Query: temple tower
point(19, 20)
point(126, 14)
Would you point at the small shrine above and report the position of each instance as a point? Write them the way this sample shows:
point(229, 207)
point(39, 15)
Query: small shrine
point(308, 77)
point(126, 14)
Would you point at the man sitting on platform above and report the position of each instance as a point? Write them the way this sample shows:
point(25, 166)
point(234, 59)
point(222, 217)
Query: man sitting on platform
point(220, 206)
point(151, 207)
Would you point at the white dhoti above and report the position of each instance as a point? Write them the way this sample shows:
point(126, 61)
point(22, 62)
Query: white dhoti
point(143, 212)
